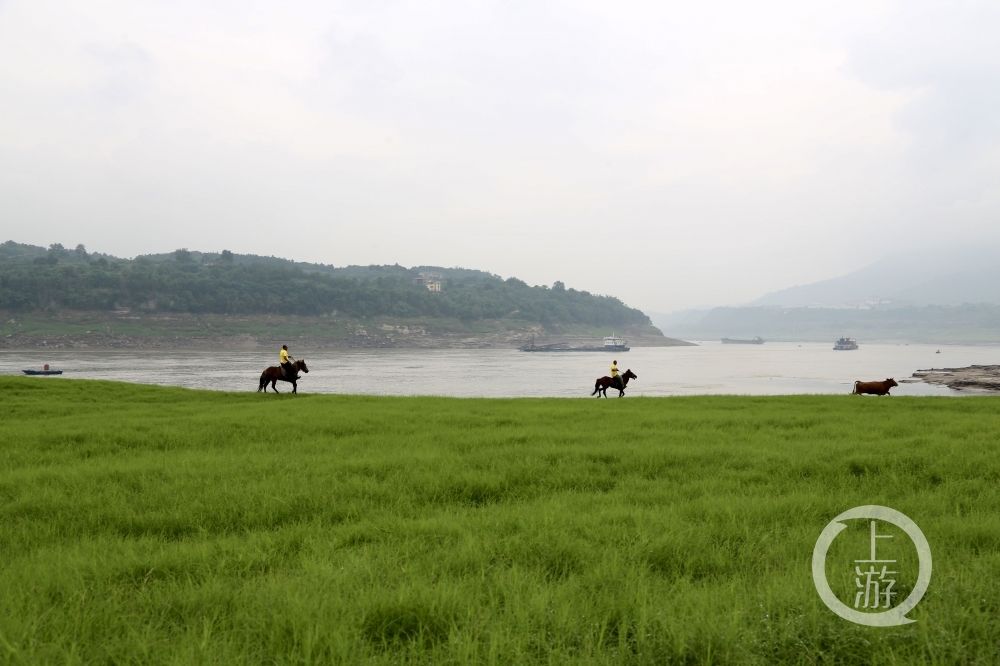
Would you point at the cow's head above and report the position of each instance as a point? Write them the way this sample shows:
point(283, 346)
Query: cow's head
point(891, 382)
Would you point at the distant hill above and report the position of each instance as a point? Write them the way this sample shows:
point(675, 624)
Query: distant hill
point(949, 295)
point(56, 278)
point(941, 324)
point(948, 276)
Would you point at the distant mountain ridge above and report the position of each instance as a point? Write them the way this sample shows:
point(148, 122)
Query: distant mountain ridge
point(948, 295)
point(942, 324)
point(942, 277)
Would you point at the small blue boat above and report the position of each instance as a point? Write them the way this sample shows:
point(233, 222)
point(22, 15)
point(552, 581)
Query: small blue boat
point(44, 371)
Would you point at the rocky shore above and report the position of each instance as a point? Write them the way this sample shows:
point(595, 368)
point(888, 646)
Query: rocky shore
point(971, 378)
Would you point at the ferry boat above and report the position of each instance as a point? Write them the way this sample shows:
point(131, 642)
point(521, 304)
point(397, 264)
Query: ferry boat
point(845, 344)
point(740, 341)
point(612, 343)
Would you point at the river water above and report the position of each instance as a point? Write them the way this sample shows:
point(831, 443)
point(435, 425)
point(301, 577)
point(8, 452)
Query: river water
point(710, 368)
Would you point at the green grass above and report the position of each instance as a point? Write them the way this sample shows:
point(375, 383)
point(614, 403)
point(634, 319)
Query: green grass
point(156, 525)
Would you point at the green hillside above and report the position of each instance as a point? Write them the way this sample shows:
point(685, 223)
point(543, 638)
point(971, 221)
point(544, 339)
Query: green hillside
point(34, 278)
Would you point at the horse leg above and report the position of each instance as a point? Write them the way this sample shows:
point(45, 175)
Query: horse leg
point(274, 385)
point(295, 387)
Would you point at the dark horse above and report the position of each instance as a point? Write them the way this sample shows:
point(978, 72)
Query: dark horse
point(274, 373)
point(604, 383)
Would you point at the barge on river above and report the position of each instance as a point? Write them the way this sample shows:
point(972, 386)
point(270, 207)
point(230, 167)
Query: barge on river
point(612, 343)
point(741, 341)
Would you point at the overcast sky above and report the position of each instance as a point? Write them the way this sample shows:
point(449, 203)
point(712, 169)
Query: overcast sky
point(670, 153)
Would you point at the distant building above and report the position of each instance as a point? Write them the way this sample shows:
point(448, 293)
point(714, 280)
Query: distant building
point(430, 280)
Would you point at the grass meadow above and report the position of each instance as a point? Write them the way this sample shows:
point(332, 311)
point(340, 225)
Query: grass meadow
point(152, 525)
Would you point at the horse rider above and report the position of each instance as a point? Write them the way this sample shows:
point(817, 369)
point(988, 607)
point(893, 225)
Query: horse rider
point(285, 361)
point(615, 378)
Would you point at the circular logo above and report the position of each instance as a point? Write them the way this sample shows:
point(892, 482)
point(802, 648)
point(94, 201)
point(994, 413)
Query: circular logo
point(893, 616)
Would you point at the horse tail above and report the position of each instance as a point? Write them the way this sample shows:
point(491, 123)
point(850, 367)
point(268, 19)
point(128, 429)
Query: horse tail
point(263, 381)
point(597, 387)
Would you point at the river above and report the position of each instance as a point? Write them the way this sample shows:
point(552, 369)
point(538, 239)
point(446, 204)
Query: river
point(710, 368)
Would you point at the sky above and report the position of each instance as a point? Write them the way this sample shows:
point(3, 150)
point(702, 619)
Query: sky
point(673, 154)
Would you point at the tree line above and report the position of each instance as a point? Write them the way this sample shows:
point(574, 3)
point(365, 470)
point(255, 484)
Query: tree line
point(36, 278)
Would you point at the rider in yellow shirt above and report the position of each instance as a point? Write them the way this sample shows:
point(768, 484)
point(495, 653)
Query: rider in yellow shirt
point(615, 381)
point(285, 361)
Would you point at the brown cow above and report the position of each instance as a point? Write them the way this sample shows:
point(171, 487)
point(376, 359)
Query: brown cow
point(876, 388)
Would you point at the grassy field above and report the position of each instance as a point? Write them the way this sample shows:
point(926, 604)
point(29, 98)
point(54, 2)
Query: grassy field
point(154, 525)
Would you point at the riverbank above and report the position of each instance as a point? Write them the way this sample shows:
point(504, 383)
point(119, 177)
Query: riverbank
point(125, 330)
point(970, 378)
point(190, 529)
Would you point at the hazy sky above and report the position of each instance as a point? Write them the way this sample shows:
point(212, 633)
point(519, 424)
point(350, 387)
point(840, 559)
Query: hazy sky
point(670, 153)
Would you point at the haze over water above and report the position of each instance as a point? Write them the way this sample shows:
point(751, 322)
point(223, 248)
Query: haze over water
point(711, 368)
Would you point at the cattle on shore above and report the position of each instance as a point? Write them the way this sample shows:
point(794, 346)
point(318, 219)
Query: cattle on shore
point(875, 388)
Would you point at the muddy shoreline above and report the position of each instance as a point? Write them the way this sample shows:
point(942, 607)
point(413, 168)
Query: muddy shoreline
point(969, 378)
point(104, 341)
point(126, 330)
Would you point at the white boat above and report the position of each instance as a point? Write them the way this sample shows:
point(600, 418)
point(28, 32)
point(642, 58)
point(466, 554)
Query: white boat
point(845, 344)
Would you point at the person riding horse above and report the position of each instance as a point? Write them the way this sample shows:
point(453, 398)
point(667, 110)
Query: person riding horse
point(285, 360)
point(276, 373)
point(602, 384)
point(615, 377)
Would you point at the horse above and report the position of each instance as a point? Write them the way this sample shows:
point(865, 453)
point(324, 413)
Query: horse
point(274, 373)
point(604, 383)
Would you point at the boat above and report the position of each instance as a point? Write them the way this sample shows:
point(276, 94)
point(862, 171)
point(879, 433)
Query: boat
point(612, 343)
point(845, 344)
point(42, 372)
point(741, 341)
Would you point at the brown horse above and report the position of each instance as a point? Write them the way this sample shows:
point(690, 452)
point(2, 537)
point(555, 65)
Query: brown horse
point(604, 383)
point(274, 374)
